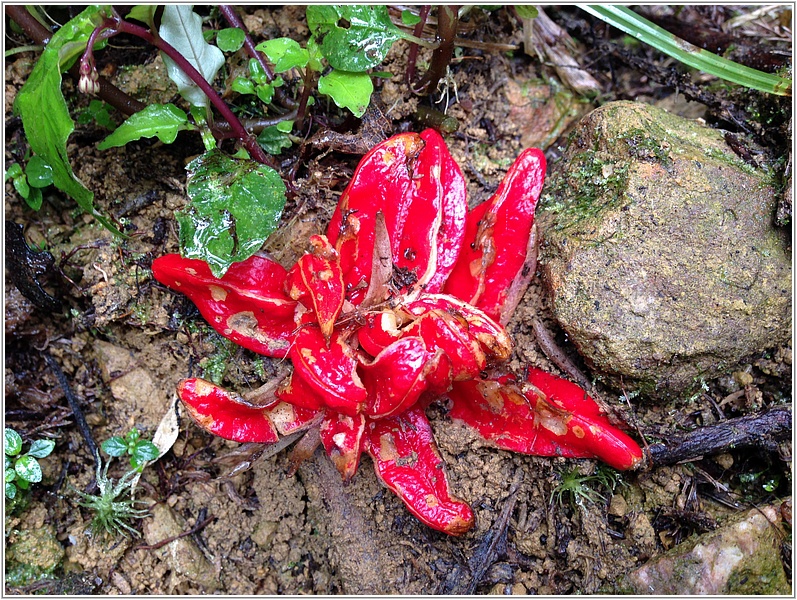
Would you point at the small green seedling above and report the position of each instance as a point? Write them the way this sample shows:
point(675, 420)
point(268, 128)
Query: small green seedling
point(23, 469)
point(97, 111)
point(576, 488)
point(140, 451)
point(38, 174)
point(112, 510)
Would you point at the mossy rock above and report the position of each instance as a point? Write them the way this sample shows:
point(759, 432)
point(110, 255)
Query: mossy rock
point(33, 555)
point(740, 558)
point(660, 253)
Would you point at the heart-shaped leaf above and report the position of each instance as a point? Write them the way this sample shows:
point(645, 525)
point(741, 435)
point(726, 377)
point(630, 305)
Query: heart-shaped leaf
point(348, 90)
point(235, 205)
point(353, 37)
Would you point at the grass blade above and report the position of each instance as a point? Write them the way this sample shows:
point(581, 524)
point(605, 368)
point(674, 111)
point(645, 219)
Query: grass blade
point(628, 21)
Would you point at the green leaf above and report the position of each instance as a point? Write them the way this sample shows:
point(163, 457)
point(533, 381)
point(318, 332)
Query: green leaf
point(275, 137)
point(526, 11)
point(231, 39)
point(143, 12)
point(45, 116)
point(11, 491)
point(28, 469)
point(256, 71)
point(40, 174)
point(13, 442)
point(284, 53)
point(348, 90)
point(115, 446)
point(242, 85)
point(10, 473)
point(182, 28)
point(35, 199)
point(163, 121)
point(41, 448)
point(13, 171)
point(235, 205)
point(22, 186)
point(316, 56)
point(145, 451)
point(97, 110)
point(265, 92)
point(353, 37)
point(409, 18)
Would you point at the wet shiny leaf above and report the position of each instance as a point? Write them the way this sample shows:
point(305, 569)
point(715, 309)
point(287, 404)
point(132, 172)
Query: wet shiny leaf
point(235, 205)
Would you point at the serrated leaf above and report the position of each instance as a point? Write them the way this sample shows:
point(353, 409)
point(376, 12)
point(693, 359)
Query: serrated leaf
point(275, 137)
point(28, 469)
point(230, 39)
point(39, 172)
point(182, 28)
point(45, 116)
point(115, 446)
point(284, 53)
point(353, 37)
point(163, 121)
point(13, 442)
point(235, 205)
point(348, 90)
point(41, 448)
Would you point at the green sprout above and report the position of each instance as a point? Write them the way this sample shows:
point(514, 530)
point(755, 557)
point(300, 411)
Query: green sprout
point(30, 181)
point(576, 488)
point(633, 24)
point(140, 451)
point(23, 469)
point(112, 510)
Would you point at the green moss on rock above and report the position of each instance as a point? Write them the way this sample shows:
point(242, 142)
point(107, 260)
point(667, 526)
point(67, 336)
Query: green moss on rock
point(659, 251)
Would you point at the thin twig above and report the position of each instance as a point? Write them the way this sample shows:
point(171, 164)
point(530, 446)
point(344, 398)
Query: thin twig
point(80, 420)
point(169, 540)
point(548, 345)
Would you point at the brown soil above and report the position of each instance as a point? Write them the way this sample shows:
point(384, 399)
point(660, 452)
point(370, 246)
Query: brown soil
point(124, 341)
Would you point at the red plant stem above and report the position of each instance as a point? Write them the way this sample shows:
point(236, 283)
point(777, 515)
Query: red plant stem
point(113, 95)
point(310, 78)
point(223, 131)
point(235, 21)
point(412, 57)
point(447, 22)
point(249, 141)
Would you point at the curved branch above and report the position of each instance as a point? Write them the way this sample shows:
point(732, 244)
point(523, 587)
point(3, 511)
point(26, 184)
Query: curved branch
point(761, 430)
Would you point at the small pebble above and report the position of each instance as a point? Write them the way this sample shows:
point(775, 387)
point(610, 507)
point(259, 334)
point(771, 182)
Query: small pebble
point(121, 583)
point(618, 506)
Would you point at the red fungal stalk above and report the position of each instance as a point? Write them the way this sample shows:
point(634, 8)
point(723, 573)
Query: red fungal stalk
point(399, 304)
